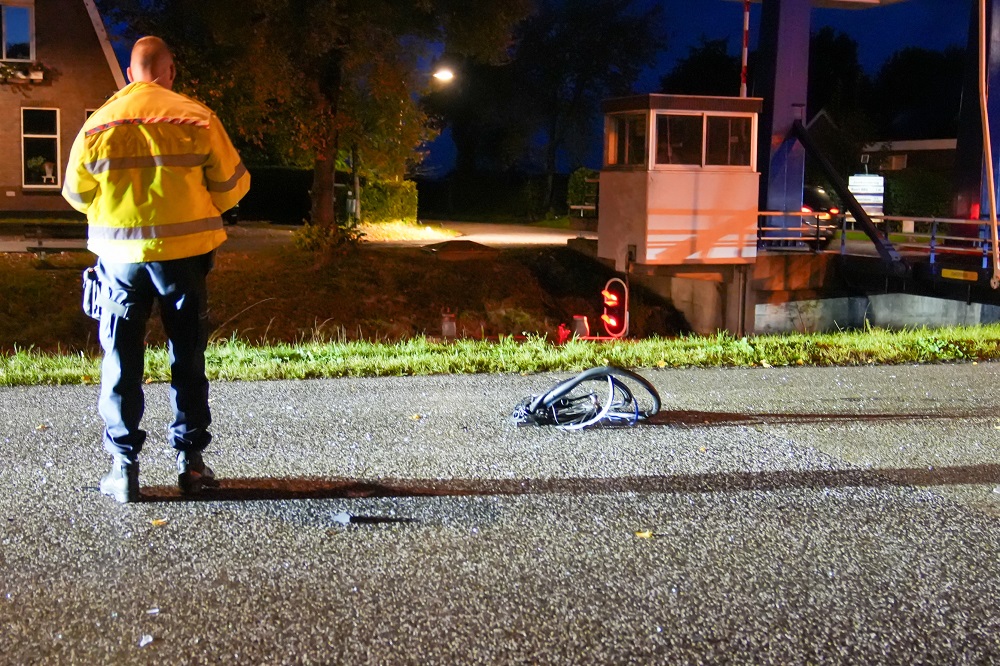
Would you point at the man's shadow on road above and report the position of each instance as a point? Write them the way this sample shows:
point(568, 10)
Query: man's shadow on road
point(256, 489)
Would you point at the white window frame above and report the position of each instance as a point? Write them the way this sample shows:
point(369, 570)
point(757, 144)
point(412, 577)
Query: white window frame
point(30, 6)
point(654, 141)
point(656, 166)
point(58, 170)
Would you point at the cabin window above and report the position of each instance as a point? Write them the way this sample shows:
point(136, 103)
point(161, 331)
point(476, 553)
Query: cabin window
point(704, 140)
point(626, 140)
point(678, 139)
point(728, 141)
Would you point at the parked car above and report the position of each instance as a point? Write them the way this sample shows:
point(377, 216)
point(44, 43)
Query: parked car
point(827, 217)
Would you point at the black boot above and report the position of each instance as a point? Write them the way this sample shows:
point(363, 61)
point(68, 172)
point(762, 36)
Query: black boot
point(122, 482)
point(193, 475)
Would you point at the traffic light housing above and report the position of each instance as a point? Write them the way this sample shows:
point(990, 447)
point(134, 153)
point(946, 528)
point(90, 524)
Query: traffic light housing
point(615, 316)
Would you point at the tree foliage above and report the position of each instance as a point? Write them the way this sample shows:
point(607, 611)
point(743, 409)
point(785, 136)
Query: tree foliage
point(297, 81)
point(574, 53)
point(567, 57)
point(837, 82)
point(708, 69)
point(918, 93)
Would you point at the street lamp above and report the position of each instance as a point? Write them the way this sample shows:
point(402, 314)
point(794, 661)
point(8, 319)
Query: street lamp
point(444, 74)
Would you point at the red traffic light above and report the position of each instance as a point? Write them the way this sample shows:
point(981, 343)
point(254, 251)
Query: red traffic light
point(615, 316)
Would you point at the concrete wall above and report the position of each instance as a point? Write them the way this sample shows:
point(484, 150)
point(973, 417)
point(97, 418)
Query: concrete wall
point(789, 293)
point(891, 311)
point(622, 215)
point(78, 78)
point(710, 302)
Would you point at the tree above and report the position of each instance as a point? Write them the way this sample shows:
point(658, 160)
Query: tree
point(299, 80)
point(568, 56)
point(708, 69)
point(918, 93)
point(572, 54)
point(838, 87)
point(837, 82)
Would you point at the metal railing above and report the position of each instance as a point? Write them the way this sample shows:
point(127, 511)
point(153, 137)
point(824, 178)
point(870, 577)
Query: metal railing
point(934, 237)
point(814, 229)
point(940, 236)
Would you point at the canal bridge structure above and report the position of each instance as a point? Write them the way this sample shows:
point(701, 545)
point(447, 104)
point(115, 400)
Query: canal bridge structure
point(701, 201)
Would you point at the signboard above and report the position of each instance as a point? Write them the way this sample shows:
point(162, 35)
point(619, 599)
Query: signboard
point(869, 190)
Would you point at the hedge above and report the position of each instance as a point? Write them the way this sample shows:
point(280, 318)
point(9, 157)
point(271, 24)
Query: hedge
point(388, 201)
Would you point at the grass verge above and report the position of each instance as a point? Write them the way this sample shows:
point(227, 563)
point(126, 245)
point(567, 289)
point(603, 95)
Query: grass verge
point(236, 360)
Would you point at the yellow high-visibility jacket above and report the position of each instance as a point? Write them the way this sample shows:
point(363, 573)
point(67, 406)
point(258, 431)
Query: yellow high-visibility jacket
point(153, 170)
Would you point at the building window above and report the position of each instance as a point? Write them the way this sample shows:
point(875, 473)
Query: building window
point(699, 139)
point(40, 147)
point(678, 139)
point(627, 140)
point(894, 162)
point(728, 142)
point(16, 30)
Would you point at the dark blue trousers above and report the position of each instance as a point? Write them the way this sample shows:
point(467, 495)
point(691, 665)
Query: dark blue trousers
point(178, 287)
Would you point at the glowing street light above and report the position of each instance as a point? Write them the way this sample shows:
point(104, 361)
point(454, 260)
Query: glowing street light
point(444, 75)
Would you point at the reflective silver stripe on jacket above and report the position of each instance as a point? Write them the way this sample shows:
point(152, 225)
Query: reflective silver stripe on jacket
point(155, 231)
point(85, 198)
point(144, 162)
point(225, 186)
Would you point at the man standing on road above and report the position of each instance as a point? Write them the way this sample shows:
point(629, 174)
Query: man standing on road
point(154, 170)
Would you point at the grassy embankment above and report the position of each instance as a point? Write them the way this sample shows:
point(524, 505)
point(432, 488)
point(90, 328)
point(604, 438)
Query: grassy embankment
point(239, 360)
point(280, 313)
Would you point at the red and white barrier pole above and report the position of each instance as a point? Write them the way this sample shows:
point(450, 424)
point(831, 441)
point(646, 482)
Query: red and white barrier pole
point(746, 48)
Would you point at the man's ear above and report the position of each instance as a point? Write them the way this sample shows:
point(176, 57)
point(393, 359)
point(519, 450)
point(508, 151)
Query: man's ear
point(128, 73)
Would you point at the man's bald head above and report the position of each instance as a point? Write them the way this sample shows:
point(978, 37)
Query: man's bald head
point(152, 62)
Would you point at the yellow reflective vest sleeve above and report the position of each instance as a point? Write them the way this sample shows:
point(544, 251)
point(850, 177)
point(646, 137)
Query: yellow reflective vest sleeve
point(225, 175)
point(79, 187)
point(153, 170)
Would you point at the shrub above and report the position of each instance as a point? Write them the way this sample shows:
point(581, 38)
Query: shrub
point(579, 192)
point(385, 201)
point(917, 192)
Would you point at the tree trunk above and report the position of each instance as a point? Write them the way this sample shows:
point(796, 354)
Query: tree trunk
point(324, 194)
point(324, 191)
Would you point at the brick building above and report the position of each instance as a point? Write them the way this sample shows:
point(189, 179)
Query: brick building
point(56, 67)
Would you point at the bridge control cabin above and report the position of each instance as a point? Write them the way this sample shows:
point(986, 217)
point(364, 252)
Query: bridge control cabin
point(679, 184)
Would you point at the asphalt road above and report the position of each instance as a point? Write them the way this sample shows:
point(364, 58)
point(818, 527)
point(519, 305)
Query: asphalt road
point(833, 515)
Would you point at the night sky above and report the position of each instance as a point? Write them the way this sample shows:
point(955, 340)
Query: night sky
point(880, 31)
